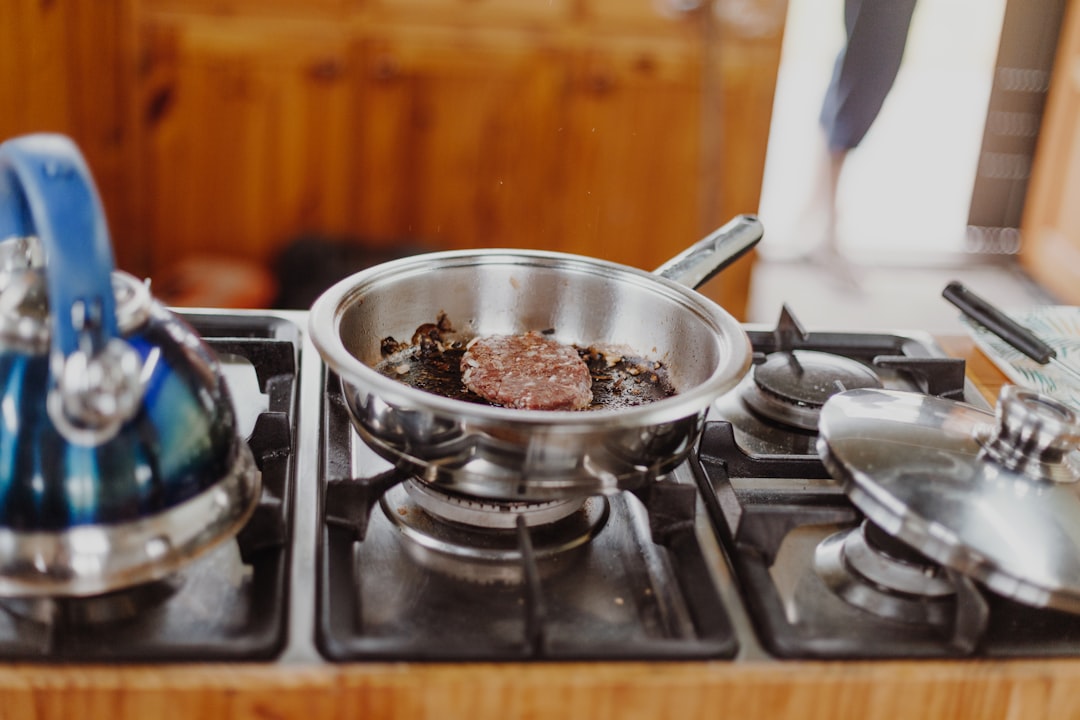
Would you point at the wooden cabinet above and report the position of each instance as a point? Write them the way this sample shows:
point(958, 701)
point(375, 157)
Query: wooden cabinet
point(458, 138)
point(63, 69)
point(633, 150)
point(478, 14)
point(245, 135)
point(1050, 229)
point(622, 129)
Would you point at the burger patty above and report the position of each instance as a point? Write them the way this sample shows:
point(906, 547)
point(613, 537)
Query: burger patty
point(527, 372)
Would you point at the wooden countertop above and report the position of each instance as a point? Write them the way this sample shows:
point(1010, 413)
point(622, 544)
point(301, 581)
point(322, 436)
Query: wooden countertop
point(1022, 690)
point(889, 690)
point(981, 370)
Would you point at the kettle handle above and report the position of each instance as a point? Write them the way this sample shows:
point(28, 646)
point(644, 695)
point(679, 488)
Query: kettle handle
point(46, 190)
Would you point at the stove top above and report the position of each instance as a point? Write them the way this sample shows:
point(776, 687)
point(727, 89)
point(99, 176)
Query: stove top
point(747, 551)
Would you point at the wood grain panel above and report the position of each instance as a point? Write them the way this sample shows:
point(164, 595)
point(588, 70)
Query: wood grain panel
point(472, 13)
point(64, 68)
point(460, 137)
point(1050, 227)
point(248, 8)
point(632, 153)
point(37, 76)
point(897, 690)
point(652, 16)
point(247, 137)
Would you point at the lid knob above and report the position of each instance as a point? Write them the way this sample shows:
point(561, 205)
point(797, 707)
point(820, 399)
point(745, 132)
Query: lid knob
point(20, 253)
point(1034, 435)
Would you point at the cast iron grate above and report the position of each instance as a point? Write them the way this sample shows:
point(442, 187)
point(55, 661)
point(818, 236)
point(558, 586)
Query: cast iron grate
point(639, 590)
point(770, 511)
point(766, 532)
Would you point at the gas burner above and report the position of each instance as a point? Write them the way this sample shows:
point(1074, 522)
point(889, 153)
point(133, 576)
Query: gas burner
point(228, 602)
point(201, 586)
point(487, 513)
point(493, 550)
point(876, 572)
point(112, 607)
point(791, 387)
point(774, 410)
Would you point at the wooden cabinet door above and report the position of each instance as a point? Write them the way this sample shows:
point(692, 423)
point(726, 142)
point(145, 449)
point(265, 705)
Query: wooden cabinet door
point(631, 158)
point(64, 69)
point(490, 140)
point(245, 134)
point(460, 135)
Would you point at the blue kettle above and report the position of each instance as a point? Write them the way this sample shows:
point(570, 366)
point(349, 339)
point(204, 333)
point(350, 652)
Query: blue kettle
point(120, 460)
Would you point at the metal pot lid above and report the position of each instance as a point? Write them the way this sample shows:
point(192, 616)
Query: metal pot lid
point(993, 496)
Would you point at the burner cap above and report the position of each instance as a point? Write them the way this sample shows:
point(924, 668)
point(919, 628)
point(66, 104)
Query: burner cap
point(791, 387)
point(486, 513)
point(490, 554)
point(886, 578)
point(995, 499)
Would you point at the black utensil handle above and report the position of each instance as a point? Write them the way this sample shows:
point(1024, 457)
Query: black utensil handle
point(998, 323)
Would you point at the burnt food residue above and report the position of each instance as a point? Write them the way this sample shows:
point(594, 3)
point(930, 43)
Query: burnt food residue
point(431, 361)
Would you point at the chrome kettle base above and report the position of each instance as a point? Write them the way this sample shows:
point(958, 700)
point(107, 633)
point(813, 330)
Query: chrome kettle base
point(116, 606)
point(87, 560)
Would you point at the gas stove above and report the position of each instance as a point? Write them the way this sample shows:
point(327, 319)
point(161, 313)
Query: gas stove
point(818, 579)
point(749, 550)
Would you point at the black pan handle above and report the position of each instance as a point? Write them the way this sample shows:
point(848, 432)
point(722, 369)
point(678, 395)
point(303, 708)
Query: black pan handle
point(998, 323)
point(694, 266)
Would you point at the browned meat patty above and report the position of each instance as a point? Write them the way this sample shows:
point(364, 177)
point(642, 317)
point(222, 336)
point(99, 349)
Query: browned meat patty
point(527, 372)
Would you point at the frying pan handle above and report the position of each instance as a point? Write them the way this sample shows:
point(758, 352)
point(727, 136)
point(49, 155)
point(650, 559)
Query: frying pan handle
point(697, 264)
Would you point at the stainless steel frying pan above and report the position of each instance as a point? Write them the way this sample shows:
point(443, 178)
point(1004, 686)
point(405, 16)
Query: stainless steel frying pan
point(509, 454)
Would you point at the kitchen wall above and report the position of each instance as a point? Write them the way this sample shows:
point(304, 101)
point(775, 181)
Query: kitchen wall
point(623, 129)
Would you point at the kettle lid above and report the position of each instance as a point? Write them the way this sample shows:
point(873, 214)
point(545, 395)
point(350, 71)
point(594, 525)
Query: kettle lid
point(24, 297)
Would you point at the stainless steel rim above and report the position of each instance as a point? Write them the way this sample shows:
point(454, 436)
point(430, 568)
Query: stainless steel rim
point(30, 333)
point(325, 325)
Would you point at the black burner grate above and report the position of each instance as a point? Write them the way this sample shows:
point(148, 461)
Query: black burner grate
point(640, 589)
point(770, 534)
point(771, 510)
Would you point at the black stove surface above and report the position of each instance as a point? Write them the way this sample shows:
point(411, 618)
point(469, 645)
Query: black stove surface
point(771, 531)
point(230, 604)
point(780, 518)
point(719, 560)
